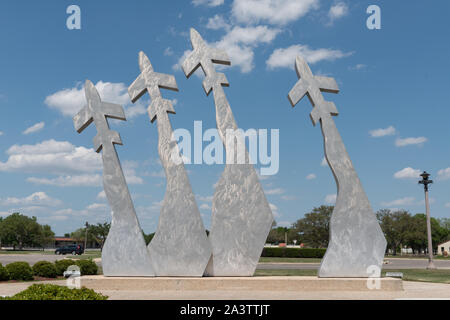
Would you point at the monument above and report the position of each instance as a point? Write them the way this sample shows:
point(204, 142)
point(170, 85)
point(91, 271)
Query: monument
point(241, 216)
point(124, 252)
point(180, 246)
point(356, 241)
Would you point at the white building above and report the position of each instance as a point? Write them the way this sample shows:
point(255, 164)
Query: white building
point(443, 247)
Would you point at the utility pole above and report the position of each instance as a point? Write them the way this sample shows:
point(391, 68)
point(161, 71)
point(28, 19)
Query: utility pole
point(425, 183)
point(86, 234)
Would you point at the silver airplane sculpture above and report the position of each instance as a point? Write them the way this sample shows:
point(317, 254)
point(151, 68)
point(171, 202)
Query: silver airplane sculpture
point(357, 244)
point(180, 246)
point(241, 215)
point(124, 252)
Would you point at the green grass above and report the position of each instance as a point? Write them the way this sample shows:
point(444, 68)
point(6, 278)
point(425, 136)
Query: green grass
point(417, 257)
point(289, 260)
point(26, 252)
point(421, 275)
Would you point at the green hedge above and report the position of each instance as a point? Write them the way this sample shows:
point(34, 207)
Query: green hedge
point(44, 269)
point(20, 271)
point(293, 253)
point(62, 265)
point(4, 274)
point(87, 267)
point(54, 292)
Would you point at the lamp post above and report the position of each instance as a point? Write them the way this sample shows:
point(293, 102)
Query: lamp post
point(425, 181)
point(85, 237)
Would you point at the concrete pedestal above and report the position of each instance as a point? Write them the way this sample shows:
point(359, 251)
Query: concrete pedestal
point(238, 284)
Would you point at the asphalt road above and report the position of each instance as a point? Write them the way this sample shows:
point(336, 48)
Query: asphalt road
point(392, 263)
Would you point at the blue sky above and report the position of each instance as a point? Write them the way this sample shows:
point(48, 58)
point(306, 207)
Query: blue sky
point(395, 79)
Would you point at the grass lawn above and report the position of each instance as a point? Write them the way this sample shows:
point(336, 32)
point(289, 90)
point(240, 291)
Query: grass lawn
point(26, 252)
point(289, 260)
point(437, 276)
point(417, 257)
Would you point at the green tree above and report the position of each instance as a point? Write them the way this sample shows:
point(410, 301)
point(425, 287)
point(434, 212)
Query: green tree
point(19, 231)
point(100, 232)
point(396, 226)
point(313, 229)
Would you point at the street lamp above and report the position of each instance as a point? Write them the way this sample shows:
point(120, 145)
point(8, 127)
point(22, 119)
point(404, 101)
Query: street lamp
point(425, 181)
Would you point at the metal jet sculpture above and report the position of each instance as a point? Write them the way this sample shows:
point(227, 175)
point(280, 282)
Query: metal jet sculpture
point(356, 240)
point(124, 252)
point(241, 216)
point(180, 246)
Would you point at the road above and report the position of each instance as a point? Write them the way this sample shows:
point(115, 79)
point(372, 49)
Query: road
point(399, 263)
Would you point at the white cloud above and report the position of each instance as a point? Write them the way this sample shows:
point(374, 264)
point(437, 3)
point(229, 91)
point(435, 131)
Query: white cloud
point(210, 3)
point(311, 176)
point(1, 133)
point(36, 199)
point(447, 205)
point(410, 141)
point(97, 206)
point(129, 170)
point(288, 198)
point(56, 157)
point(35, 128)
point(274, 210)
point(408, 173)
point(444, 174)
point(84, 180)
point(337, 11)
point(285, 57)
point(205, 199)
point(70, 101)
point(101, 195)
point(278, 12)
point(330, 199)
point(359, 66)
point(205, 206)
point(274, 191)
point(390, 131)
point(240, 42)
point(217, 22)
point(324, 162)
point(407, 201)
point(168, 52)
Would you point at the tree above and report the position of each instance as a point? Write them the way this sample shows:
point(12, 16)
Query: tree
point(100, 232)
point(96, 233)
point(19, 231)
point(314, 228)
point(396, 226)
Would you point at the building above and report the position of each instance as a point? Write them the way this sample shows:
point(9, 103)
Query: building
point(443, 247)
point(63, 241)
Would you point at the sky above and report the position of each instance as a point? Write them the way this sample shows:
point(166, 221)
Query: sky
point(393, 100)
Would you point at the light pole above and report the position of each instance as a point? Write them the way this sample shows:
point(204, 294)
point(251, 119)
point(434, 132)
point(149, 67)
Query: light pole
point(85, 237)
point(425, 181)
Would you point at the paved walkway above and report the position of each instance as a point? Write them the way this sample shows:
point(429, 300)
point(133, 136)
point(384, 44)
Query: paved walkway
point(412, 290)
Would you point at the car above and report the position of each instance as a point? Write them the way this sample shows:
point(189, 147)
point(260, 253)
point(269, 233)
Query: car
point(72, 249)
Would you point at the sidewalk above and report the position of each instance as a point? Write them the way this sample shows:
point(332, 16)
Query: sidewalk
point(412, 290)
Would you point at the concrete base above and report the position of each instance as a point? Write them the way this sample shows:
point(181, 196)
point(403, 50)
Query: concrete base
point(239, 284)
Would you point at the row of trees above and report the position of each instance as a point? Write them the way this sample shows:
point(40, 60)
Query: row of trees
point(399, 227)
point(98, 234)
point(20, 231)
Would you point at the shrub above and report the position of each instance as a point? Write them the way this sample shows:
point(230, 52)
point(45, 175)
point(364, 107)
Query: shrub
point(4, 274)
point(293, 253)
point(44, 269)
point(20, 271)
point(62, 265)
point(87, 267)
point(55, 292)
